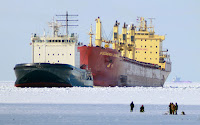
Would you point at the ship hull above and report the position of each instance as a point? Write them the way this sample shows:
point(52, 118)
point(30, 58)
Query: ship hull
point(109, 69)
point(140, 75)
point(104, 67)
point(49, 75)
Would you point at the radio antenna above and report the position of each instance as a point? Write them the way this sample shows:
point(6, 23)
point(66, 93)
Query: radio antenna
point(67, 21)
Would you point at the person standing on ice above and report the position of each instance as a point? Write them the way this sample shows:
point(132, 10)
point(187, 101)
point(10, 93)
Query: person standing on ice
point(170, 108)
point(142, 108)
point(132, 106)
point(176, 108)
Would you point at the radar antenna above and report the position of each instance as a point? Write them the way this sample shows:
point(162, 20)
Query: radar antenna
point(55, 27)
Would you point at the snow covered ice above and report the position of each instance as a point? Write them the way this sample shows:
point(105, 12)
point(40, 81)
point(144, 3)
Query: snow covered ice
point(100, 105)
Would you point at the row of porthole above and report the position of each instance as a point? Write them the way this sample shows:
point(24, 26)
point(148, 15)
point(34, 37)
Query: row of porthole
point(141, 34)
point(144, 52)
point(150, 52)
point(146, 58)
point(146, 40)
point(150, 58)
point(60, 41)
point(58, 61)
point(150, 46)
point(55, 41)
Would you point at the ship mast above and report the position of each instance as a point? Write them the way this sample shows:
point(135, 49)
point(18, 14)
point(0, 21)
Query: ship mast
point(98, 38)
point(151, 25)
point(90, 33)
point(67, 15)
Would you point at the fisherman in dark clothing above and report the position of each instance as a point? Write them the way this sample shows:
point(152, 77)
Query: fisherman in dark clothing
point(176, 108)
point(132, 106)
point(170, 109)
point(142, 108)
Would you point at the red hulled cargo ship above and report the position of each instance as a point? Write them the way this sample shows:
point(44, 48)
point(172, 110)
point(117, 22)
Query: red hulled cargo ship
point(125, 64)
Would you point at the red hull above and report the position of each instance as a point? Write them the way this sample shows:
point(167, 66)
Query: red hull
point(104, 64)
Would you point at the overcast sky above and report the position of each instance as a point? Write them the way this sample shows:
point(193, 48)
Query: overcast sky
point(178, 19)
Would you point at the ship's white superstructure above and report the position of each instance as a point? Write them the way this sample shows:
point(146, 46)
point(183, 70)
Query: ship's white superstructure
point(56, 48)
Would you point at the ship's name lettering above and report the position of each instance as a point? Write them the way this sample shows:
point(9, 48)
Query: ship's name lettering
point(108, 54)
